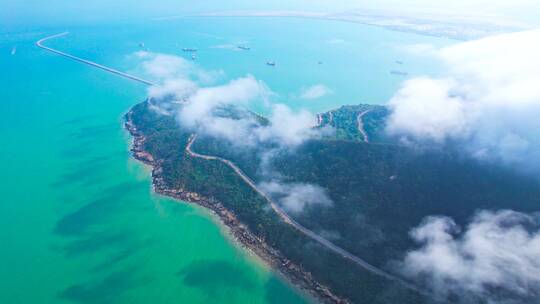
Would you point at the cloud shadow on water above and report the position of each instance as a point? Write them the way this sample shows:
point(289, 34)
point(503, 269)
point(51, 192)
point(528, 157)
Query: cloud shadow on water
point(211, 276)
point(81, 139)
point(104, 290)
point(94, 132)
point(75, 152)
point(85, 173)
point(80, 220)
point(78, 120)
point(95, 242)
point(114, 259)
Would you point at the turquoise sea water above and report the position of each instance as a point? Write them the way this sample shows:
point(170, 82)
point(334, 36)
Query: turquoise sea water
point(78, 220)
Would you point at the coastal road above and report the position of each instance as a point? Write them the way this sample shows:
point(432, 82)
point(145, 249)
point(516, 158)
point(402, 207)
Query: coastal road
point(361, 125)
point(307, 232)
point(40, 42)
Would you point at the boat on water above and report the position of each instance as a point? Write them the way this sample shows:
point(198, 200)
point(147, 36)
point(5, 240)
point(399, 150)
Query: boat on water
point(189, 49)
point(271, 63)
point(399, 73)
point(193, 57)
point(141, 44)
point(245, 48)
point(399, 62)
point(14, 50)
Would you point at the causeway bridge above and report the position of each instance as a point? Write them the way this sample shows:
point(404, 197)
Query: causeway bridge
point(40, 42)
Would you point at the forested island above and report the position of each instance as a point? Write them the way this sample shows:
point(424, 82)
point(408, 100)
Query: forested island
point(379, 190)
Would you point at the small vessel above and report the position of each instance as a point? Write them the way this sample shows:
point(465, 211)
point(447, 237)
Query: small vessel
point(141, 44)
point(193, 57)
point(245, 48)
point(320, 62)
point(400, 73)
point(189, 49)
point(14, 50)
point(271, 63)
point(399, 62)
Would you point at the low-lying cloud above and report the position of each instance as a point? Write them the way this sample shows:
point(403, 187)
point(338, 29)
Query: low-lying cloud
point(183, 82)
point(200, 104)
point(315, 92)
point(199, 107)
point(285, 128)
point(295, 197)
point(172, 88)
point(335, 41)
point(227, 46)
point(495, 259)
point(290, 128)
point(488, 102)
point(165, 67)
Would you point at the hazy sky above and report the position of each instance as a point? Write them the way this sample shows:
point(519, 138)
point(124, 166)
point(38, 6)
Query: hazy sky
point(71, 11)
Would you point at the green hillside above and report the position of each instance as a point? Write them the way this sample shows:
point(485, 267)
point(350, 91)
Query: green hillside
point(380, 190)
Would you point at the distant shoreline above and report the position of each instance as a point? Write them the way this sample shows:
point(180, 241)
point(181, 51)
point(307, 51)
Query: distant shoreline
point(427, 27)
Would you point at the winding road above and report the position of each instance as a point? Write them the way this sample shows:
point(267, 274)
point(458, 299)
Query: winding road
point(361, 125)
point(40, 42)
point(287, 219)
point(330, 117)
point(319, 120)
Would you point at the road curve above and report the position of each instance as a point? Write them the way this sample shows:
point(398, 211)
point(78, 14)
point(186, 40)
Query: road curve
point(287, 219)
point(39, 43)
point(361, 125)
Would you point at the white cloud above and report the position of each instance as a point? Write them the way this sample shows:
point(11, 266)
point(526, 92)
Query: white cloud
point(489, 101)
point(335, 41)
point(197, 104)
point(163, 67)
point(424, 108)
point(286, 128)
point(203, 101)
point(315, 92)
point(200, 110)
point(231, 47)
point(419, 49)
point(237, 131)
point(176, 88)
point(296, 197)
point(495, 259)
point(289, 128)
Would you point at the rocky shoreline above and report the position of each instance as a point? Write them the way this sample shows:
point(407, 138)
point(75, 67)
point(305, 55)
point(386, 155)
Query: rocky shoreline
point(271, 256)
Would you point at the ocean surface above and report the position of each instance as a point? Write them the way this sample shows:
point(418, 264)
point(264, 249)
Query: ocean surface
point(78, 220)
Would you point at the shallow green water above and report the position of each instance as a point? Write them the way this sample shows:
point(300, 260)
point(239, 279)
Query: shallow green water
point(78, 220)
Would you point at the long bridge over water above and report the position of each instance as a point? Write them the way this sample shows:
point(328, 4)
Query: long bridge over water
point(40, 42)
